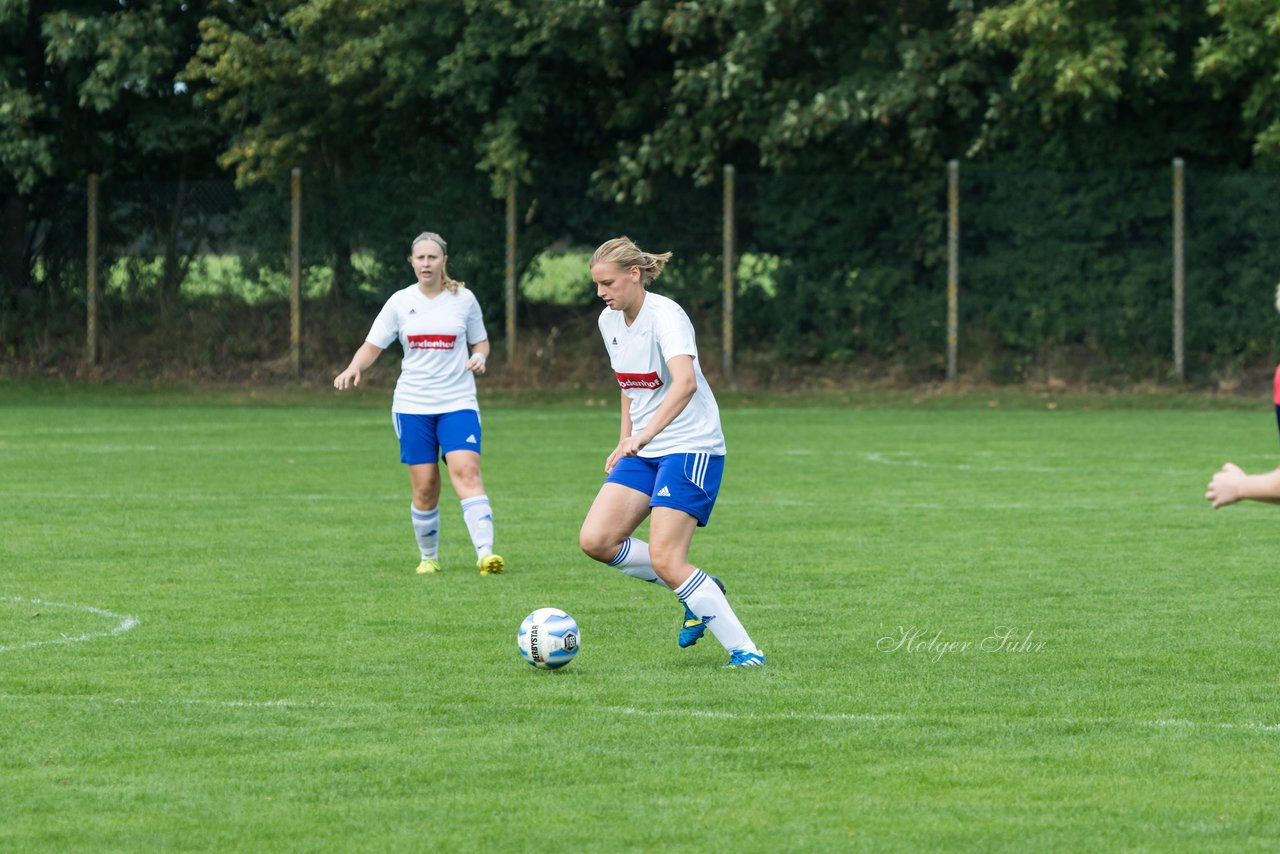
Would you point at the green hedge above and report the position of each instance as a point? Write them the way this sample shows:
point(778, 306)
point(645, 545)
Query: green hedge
point(1061, 274)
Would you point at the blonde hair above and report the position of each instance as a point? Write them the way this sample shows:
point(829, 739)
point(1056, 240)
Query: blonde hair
point(450, 284)
point(624, 252)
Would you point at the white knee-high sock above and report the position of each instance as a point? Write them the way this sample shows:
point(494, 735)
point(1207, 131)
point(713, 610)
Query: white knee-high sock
point(426, 530)
point(478, 515)
point(633, 559)
point(701, 596)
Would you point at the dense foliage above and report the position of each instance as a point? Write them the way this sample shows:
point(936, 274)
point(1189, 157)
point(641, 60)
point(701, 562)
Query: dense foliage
point(839, 116)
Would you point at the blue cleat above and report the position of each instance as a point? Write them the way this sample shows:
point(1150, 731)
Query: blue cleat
point(740, 659)
point(692, 629)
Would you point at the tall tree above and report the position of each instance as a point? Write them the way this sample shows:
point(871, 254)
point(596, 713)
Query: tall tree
point(683, 87)
point(336, 88)
point(86, 87)
point(1100, 82)
point(27, 151)
point(1241, 61)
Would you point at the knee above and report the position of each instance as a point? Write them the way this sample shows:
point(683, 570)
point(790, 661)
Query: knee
point(671, 564)
point(596, 546)
point(662, 560)
point(466, 479)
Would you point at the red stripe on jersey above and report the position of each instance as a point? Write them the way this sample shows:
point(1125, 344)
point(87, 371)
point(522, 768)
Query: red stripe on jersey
point(1277, 385)
point(432, 342)
point(649, 380)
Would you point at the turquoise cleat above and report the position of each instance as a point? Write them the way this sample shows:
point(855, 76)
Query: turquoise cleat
point(740, 659)
point(692, 629)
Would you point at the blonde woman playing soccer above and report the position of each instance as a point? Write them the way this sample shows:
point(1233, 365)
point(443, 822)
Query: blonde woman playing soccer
point(441, 331)
point(669, 459)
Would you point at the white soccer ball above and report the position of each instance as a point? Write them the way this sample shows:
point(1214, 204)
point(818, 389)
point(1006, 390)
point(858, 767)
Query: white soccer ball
point(548, 638)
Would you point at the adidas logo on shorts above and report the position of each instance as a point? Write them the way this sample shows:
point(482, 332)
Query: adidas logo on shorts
point(664, 493)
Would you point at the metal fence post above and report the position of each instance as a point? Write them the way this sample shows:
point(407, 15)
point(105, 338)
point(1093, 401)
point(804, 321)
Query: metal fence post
point(953, 265)
point(295, 274)
point(510, 283)
point(91, 284)
point(730, 265)
point(1179, 283)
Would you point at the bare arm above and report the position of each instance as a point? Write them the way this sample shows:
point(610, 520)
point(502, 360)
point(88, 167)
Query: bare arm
point(360, 362)
point(1231, 484)
point(679, 393)
point(624, 433)
point(479, 355)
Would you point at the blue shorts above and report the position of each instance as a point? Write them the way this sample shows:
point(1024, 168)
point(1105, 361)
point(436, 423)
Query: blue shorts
point(425, 438)
point(688, 482)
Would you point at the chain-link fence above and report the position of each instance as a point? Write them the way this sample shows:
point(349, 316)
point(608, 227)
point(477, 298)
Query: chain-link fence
point(1063, 275)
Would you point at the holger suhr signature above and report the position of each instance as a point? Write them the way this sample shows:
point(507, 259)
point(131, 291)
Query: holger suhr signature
point(931, 643)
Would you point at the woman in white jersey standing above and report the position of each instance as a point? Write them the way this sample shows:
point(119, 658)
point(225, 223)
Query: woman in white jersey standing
point(441, 330)
point(670, 454)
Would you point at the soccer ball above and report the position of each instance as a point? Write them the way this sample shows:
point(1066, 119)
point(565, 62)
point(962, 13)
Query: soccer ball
point(548, 638)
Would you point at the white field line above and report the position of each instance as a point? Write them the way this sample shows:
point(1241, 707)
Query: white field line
point(226, 704)
point(695, 714)
point(125, 623)
point(165, 702)
point(1162, 723)
point(898, 458)
point(909, 459)
point(195, 497)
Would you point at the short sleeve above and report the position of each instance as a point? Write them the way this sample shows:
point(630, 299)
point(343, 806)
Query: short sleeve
point(475, 323)
point(386, 327)
point(675, 335)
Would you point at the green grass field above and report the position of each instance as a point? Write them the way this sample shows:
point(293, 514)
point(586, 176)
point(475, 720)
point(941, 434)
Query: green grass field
point(987, 629)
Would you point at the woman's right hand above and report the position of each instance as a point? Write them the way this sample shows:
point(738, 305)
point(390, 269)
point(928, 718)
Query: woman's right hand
point(349, 377)
point(613, 459)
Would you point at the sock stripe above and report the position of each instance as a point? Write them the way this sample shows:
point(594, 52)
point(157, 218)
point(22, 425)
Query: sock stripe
point(426, 530)
point(623, 551)
point(691, 585)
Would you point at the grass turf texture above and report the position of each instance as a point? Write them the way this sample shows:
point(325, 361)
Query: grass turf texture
point(292, 685)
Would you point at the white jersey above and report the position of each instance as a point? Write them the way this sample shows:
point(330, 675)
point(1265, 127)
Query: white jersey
point(639, 354)
point(435, 334)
